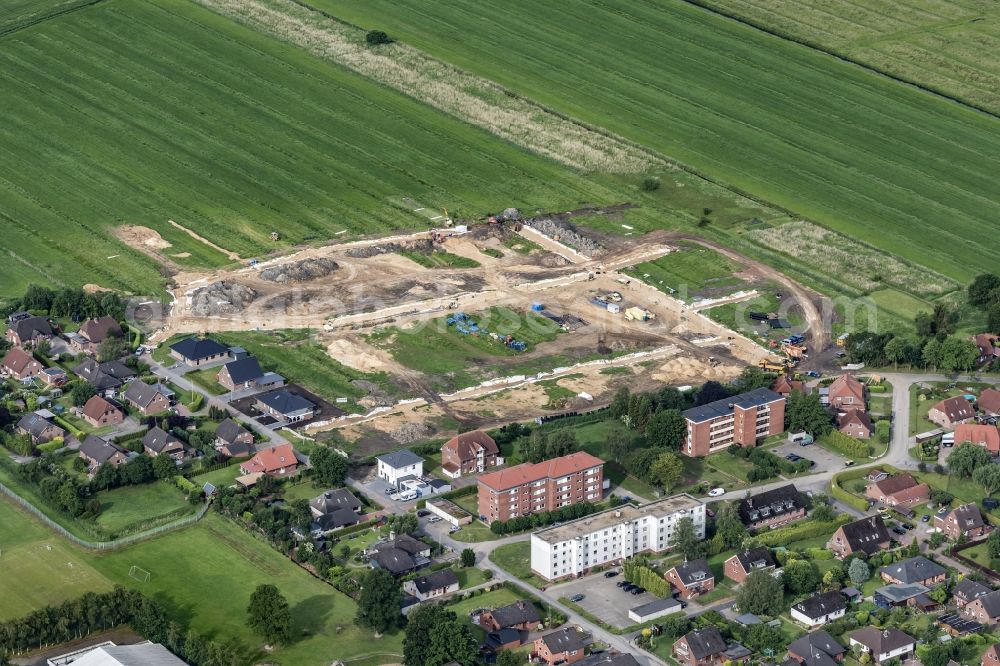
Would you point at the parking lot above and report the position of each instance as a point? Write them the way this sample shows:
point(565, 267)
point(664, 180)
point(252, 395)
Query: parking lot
point(603, 598)
point(825, 460)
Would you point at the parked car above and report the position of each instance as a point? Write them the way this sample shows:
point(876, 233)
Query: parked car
point(925, 518)
point(990, 503)
point(899, 530)
point(907, 526)
point(434, 519)
point(637, 590)
point(610, 574)
point(791, 457)
point(848, 463)
point(576, 598)
point(454, 529)
point(813, 373)
point(423, 513)
point(684, 604)
point(715, 492)
point(628, 587)
point(622, 583)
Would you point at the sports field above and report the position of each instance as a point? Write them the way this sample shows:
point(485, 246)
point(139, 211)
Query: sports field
point(131, 112)
point(881, 161)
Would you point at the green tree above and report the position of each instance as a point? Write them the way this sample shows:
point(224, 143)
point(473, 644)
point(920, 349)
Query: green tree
point(418, 627)
point(164, 467)
point(451, 642)
point(931, 353)
point(761, 594)
point(804, 412)
point(761, 637)
point(112, 348)
point(268, 615)
point(666, 470)
point(619, 443)
point(993, 544)
point(81, 393)
point(379, 602)
point(822, 511)
point(983, 289)
point(859, 572)
point(377, 37)
point(935, 540)
point(966, 457)
point(329, 468)
point(752, 378)
point(988, 476)
point(468, 557)
point(685, 539)
point(957, 354)
point(993, 319)
point(619, 404)
point(801, 577)
point(666, 428)
point(561, 443)
point(640, 409)
point(896, 350)
point(729, 526)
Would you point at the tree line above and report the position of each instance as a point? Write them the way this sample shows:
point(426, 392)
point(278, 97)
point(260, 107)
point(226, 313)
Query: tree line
point(70, 302)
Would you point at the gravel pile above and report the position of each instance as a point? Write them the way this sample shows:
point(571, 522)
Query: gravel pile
point(410, 432)
point(221, 298)
point(426, 246)
point(299, 271)
point(568, 235)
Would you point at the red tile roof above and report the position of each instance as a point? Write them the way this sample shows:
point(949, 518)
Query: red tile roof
point(271, 460)
point(468, 444)
point(847, 385)
point(97, 407)
point(902, 487)
point(989, 401)
point(956, 409)
point(512, 477)
point(17, 360)
point(983, 435)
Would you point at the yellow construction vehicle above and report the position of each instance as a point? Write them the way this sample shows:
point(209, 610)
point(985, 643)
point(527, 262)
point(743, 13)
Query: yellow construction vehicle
point(770, 366)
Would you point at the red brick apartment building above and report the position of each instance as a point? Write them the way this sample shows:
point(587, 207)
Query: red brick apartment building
point(534, 487)
point(742, 419)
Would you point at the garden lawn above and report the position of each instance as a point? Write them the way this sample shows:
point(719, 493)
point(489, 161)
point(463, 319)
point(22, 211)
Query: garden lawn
point(731, 465)
point(470, 577)
point(515, 559)
point(219, 478)
point(141, 505)
point(206, 379)
point(492, 600)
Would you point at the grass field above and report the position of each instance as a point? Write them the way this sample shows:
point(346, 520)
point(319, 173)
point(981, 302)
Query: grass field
point(135, 506)
point(515, 559)
point(796, 127)
point(690, 269)
point(207, 379)
point(230, 133)
point(440, 259)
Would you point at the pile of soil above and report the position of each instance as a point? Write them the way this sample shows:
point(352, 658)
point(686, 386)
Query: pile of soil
point(221, 297)
point(411, 432)
point(424, 246)
point(299, 271)
point(569, 235)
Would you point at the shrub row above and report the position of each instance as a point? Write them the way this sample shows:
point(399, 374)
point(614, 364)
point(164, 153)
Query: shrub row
point(845, 445)
point(643, 576)
point(807, 529)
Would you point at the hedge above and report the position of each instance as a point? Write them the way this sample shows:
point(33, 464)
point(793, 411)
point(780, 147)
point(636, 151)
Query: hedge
point(54, 445)
point(121, 439)
point(185, 485)
point(643, 576)
point(858, 473)
point(73, 430)
point(877, 388)
point(845, 445)
point(808, 529)
point(459, 492)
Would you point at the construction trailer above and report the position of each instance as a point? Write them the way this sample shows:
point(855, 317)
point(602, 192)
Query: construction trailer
point(638, 314)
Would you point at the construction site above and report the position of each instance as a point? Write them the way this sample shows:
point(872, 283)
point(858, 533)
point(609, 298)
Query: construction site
point(575, 326)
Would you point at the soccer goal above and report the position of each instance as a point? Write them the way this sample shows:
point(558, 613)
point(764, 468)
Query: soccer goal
point(139, 574)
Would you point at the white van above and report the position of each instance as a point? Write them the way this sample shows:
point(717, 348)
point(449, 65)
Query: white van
point(408, 495)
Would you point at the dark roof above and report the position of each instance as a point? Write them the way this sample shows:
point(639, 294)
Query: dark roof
point(195, 349)
point(695, 571)
point(158, 439)
point(566, 640)
point(724, 407)
point(228, 430)
point(608, 659)
point(506, 636)
point(409, 544)
point(519, 612)
point(33, 424)
point(818, 648)
point(968, 590)
point(394, 560)
point(97, 449)
point(968, 516)
point(991, 603)
point(881, 641)
point(756, 558)
point(141, 393)
point(237, 449)
point(897, 594)
point(771, 503)
point(243, 370)
point(102, 376)
point(338, 498)
point(436, 581)
point(655, 606)
point(97, 330)
point(705, 642)
point(959, 624)
point(913, 569)
point(821, 604)
point(285, 402)
point(866, 534)
point(401, 458)
point(334, 520)
point(956, 408)
point(31, 326)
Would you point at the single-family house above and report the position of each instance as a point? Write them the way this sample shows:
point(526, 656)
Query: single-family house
point(278, 461)
point(100, 412)
point(104, 377)
point(504, 639)
point(25, 330)
point(855, 423)
point(966, 591)
point(984, 435)
point(692, 579)
point(984, 609)
point(563, 646)
point(964, 520)
point(149, 399)
point(469, 453)
point(952, 411)
point(896, 595)
point(232, 439)
point(883, 644)
point(394, 467)
point(335, 509)
point(400, 555)
point(847, 393)
point(54, 376)
point(740, 565)
point(283, 405)
point(241, 373)
point(93, 332)
point(700, 647)
point(197, 352)
point(820, 608)
point(901, 490)
point(784, 386)
point(867, 535)
point(817, 649)
point(20, 364)
point(39, 428)
point(989, 347)
point(772, 508)
point(433, 585)
point(992, 656)
point(518, 615)
point(989, 401)
point(159, 442)
point(914, 570)
point(96, 452)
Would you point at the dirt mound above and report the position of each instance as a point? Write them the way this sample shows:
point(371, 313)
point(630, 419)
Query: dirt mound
point(300, 271)
point(550, 260)
point(221, 298)
point(92, 288)
point(411, 432)
point(426, 246)
point(690, 369)
point(356, 356)
point(569, 235)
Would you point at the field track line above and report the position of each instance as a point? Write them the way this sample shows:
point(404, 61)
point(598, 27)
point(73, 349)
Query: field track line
point(56, 14)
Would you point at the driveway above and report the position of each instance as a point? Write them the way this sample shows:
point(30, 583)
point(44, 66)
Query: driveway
point(824, 459)
point(603, 598)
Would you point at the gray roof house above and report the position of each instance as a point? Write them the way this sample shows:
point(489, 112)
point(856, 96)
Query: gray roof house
point(914, 570)
point(105, 376)
point(285, 405)
point(39, 428)
point(331, 500)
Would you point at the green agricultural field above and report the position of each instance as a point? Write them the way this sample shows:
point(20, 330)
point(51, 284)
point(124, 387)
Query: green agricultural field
point(136, 112)
point(877, 160)
point(689, 270)
point(19, 14)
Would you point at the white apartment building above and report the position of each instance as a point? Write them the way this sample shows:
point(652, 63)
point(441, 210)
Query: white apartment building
point(612, 536)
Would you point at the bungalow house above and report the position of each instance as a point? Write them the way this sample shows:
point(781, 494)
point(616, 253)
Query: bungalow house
point(967, 591)
point(989, 347)
point(469, 453)
point(20, 364)
point(963, 520)
point(772, 508)
point(96, 452)
point(157, 442)
point(399, 465)
point(986, 436)
point(333, 510)
point(847, 393)
point(39, 428)
point(785, 386)
point(100, 412)
point(820, 609)
point(992, 656)
point(984, 609)
point(104, 377)
point(740, 565)
point(895, 595)
point(817, 649)
point(692, 579)
point(400, 555)
point(197, 352)
point(883, 644)
point(855, 423)
point(26, 330)
point(989, 401)
point(952, 411)
point(914, 570)
point(232, 439)
point(54, 376)
point(149, 399)
point(278, 461)
point(701, 647)
point(246, 373)
point(867, 535)
point(283, 405)
point(901, 490)
point(564, 646)
point(433, 585)
point(518, 615)
point(93, 332)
